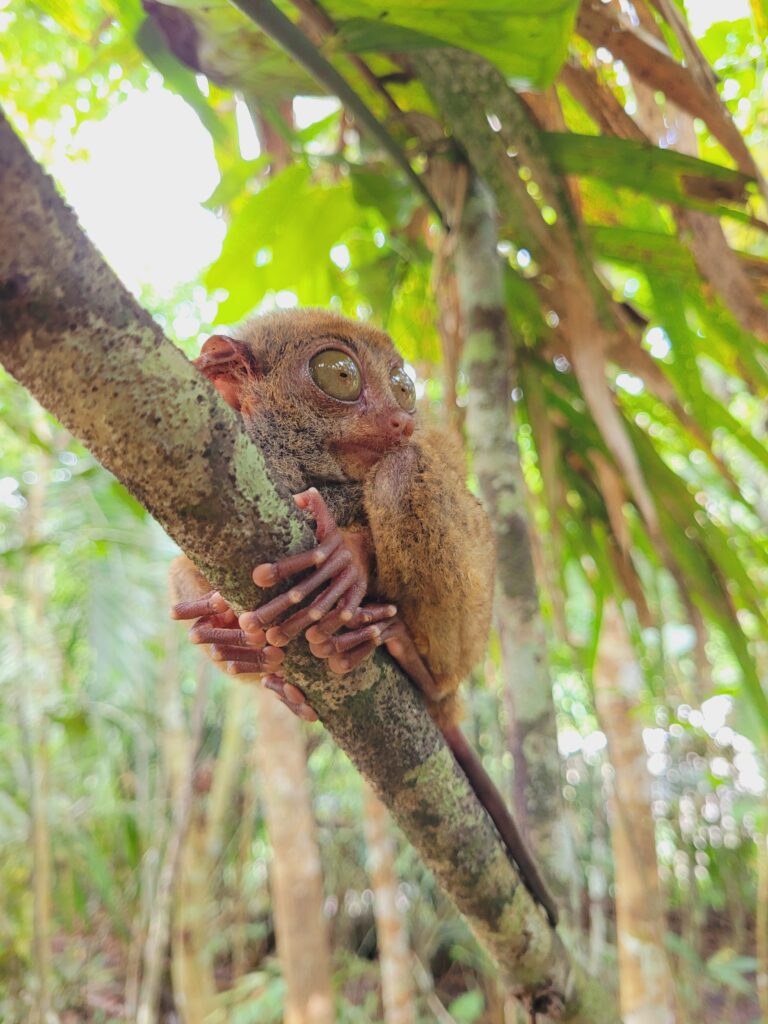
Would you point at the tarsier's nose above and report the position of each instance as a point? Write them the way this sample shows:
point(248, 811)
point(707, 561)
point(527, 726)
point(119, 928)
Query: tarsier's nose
point(401, 425)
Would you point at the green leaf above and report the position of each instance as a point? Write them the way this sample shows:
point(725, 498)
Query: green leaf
point(66, 15)
point(179, 78)
point(466, 1008)
point(528, 44)
point(647, 169)
point(359, 35)
point(391, 196)
point(270, 248)
point(636, 248)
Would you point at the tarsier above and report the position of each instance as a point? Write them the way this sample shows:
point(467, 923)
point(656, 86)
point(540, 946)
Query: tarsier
point(405, 554)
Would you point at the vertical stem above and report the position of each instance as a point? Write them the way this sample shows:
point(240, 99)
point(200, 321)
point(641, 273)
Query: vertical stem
point(391, 932)
point(183, 752)
point(248, 819)
point(34, 697)
point(761, 927)
point(295, 871)
point(647, 994)
point(488, 360)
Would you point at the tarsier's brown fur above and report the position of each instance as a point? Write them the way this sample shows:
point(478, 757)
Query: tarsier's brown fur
point(429, 542)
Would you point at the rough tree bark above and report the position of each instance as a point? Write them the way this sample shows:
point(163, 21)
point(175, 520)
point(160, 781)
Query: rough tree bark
point(488, 361)
point(72, 335)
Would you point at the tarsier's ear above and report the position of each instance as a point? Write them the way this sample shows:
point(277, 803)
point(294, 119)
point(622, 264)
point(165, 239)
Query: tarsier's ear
point(228, 365)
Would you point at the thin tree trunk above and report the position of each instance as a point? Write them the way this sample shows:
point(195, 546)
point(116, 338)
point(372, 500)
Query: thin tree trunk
point(647, 993)
point(247, 824)
point(34, 698)
point(488, 360)
point(761, 925)
point(295, 872)
point(194, 985)
point(181, 751)
point(228, 767)
point(597, 886)
point(391, 931)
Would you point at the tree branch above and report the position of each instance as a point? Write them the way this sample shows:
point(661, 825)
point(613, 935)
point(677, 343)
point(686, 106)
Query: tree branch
point(73, 336)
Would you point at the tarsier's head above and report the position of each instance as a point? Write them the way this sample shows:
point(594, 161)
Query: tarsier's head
point(328, 392)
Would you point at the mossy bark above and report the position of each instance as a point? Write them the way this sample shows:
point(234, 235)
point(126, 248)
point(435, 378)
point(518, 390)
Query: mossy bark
point(72, 335)
point(488, 360)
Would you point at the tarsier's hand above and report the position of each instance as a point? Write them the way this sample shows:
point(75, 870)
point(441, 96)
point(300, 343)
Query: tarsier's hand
point(217, 625)
point(244, 655)
point(342, 561)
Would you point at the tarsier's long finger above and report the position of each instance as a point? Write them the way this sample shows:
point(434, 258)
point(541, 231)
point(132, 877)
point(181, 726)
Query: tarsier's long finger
point(257, 656)
point(285, 631)
point(343, 663)
point(267, 614)
point(205, 634)
point(312, 501)
point(280, 636)
point(346, 641)
point(364, 616)
point(271, 659)
point(291, 696)
point(209, 604)
point(343, 613)
point(269, 573)
point(400, 645)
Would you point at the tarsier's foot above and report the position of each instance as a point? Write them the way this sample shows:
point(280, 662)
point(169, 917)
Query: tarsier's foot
point(217, 625)
point(368, 629)
point(345, 651)
point(339, 560)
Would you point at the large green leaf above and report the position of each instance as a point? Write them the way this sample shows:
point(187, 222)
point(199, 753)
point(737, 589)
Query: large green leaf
point(281, 240)
point(645, 168)
point(526, 43)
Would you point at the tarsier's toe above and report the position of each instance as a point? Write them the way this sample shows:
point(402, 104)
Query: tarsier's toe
point(209, 604)
point(291, 696)
point(249, 660)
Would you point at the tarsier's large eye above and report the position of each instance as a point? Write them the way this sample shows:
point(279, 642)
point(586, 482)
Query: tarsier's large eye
point(337, 374)
point(403, 389)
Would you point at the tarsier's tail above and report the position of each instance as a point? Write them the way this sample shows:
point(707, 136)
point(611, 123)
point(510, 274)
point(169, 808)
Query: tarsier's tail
point(493, 802)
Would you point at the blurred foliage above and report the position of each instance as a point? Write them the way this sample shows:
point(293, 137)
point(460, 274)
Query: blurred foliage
point(84, 668)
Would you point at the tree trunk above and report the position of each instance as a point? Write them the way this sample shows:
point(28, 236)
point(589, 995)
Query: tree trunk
point(194, 984)
point(72, 335)
point(761, 926)
point(488, 360)
point(35, 697)
point(645, 981)
point(192, 971)
point(391, 931)
point(181, 747)
point(295, 873)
